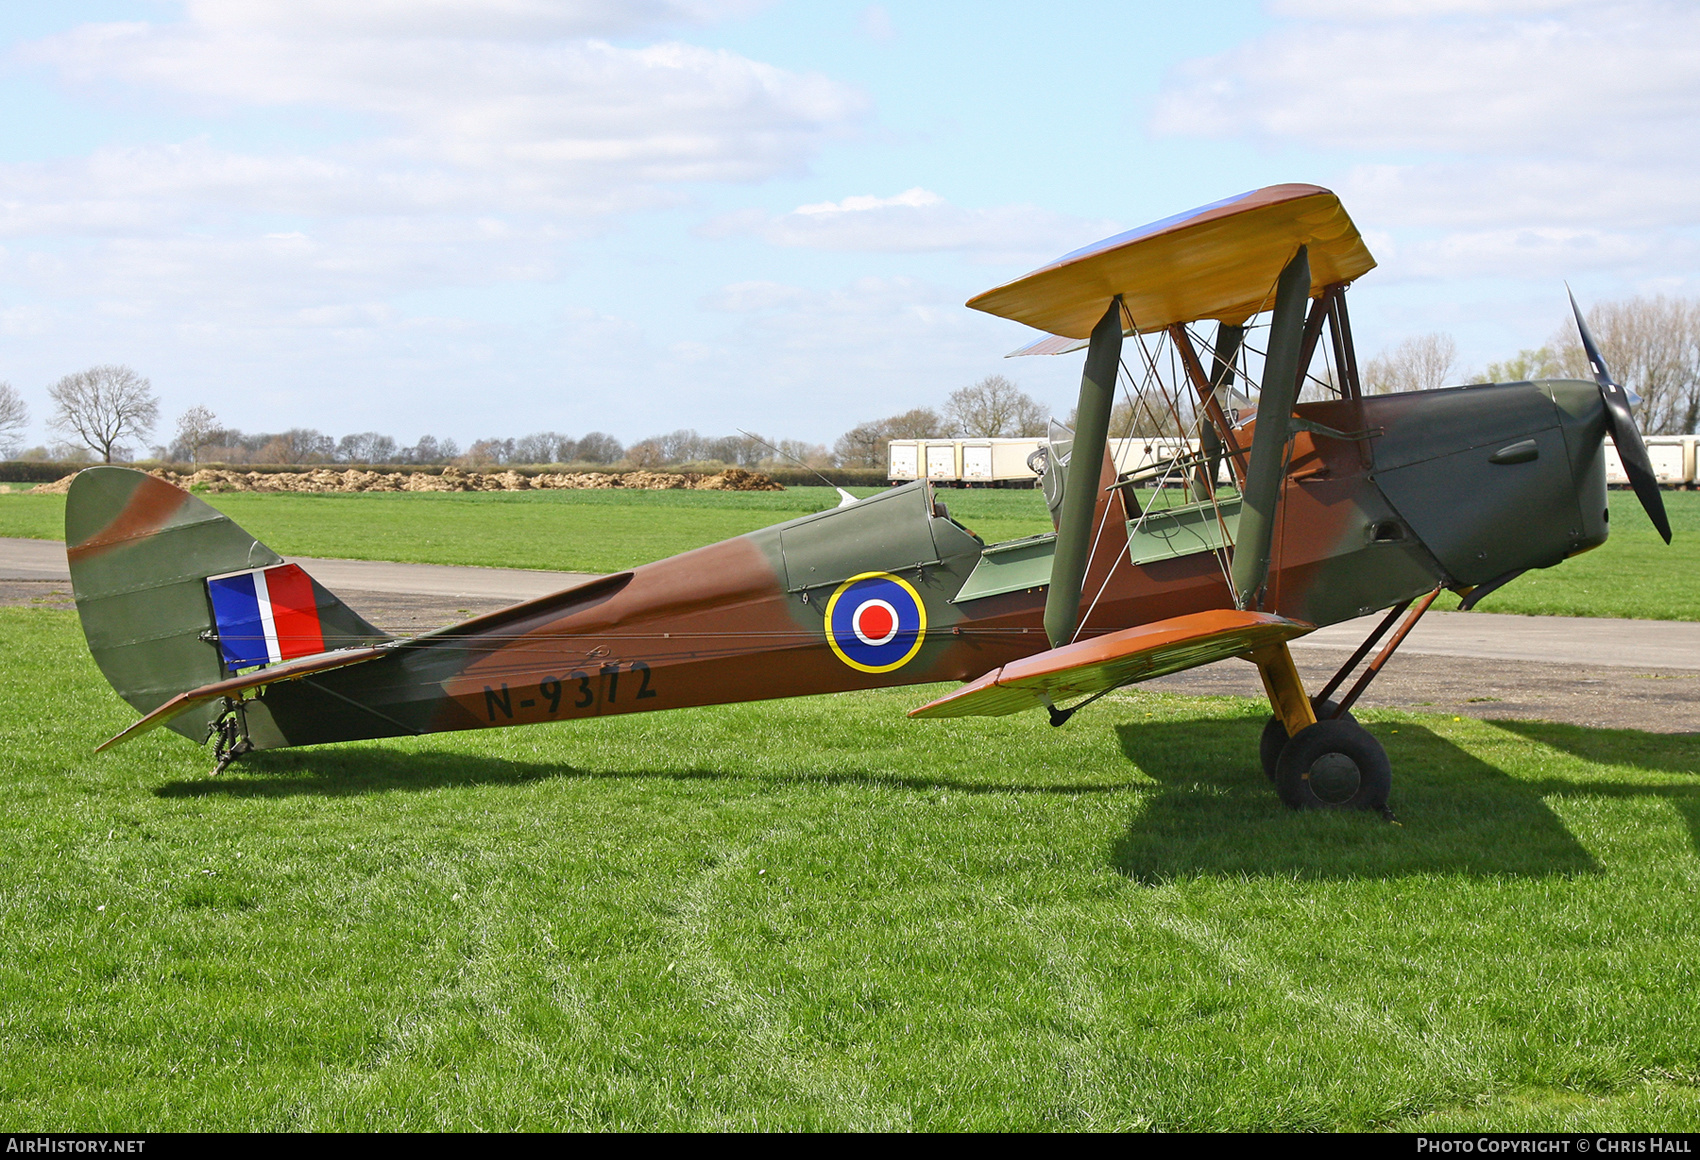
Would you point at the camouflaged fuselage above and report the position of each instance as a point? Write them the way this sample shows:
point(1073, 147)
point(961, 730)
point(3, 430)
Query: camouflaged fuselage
point(1454, 487)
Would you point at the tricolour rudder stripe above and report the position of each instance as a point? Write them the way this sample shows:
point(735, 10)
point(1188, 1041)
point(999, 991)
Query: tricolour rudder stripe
point(295, 612)
point(140, 553)
point(267, 616)
point(236, 615)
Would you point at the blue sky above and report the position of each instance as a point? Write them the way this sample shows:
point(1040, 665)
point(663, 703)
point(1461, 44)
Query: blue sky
point(489, 217)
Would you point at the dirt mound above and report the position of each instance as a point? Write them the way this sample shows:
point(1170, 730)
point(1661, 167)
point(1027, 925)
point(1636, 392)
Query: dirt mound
point(452, 479)
point(737, 479)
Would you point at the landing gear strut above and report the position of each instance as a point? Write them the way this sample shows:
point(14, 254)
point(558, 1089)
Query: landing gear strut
point(1318, 756)
point(1313, 749)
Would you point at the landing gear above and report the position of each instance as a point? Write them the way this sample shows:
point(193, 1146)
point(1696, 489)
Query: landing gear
point(1319, 757)
point(230, 735)
point(1274, 737)
point(1334, 765)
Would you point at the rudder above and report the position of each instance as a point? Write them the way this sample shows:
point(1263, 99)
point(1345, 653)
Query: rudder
point(140, 553)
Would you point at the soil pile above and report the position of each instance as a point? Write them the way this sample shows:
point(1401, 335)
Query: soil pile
point(451, 479)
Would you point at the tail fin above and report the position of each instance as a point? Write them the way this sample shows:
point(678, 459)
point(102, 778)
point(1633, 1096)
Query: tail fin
point(140, 553)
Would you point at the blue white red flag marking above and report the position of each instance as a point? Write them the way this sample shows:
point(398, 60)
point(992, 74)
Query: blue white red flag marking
point(266, 616)
point(875, 622)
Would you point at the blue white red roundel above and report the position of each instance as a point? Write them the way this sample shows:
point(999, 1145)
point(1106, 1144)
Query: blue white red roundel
point(875, 622)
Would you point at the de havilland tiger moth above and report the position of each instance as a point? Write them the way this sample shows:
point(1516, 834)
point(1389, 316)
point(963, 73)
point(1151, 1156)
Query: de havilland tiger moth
point(1322, 506)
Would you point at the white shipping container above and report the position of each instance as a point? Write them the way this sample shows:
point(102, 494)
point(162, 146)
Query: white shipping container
point(1009, 458)
point(1672, 457)
point(942, 462)
point(903, 459)
point(977, 463)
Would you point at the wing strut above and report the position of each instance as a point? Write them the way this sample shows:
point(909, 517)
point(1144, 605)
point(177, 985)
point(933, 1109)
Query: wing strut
point(1227, 344)
point(1280, 389)
point(1080, 493)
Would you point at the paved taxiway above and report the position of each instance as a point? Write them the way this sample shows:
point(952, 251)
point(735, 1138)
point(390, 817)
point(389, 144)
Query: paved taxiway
point(1634, 674)
point(1479, 635)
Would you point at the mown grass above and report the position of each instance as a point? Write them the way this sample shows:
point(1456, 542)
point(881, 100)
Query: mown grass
point(1634, 575)
point(819, 914)
point(571, 531)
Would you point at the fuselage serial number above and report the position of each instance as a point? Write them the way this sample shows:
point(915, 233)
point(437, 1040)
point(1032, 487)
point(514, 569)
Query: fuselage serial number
point(576, 690)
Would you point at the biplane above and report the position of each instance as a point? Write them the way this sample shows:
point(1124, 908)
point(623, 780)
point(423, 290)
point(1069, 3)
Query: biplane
point(1320, 505)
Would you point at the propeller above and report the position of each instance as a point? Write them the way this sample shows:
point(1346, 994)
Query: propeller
point(1621, 423)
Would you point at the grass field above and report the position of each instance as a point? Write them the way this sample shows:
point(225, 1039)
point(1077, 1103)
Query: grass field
point(570, 531)
point(1634, 575)
point(818, 914)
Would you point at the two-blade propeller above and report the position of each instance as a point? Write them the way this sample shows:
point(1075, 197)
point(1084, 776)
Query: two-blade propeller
point(1630, 449)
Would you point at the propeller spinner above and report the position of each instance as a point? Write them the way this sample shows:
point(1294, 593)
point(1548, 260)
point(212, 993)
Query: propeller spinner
point(1630, 449)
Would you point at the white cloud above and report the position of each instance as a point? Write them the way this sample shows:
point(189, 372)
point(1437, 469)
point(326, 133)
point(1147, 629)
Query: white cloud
point(861, 350)
point(1606, 80)
point(917, 221)
point(478, 140)
point(489, 18)
point(553, 117)
point(749, 297)
point(1537, 136)
point(1371, 11)
point(1536, 252)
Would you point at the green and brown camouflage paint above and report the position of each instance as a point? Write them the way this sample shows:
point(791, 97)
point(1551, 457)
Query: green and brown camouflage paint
point(1426, 499)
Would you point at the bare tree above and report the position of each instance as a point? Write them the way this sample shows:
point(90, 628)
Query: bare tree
point(737, 450)
point(366, 447)
point(195, 430)
point(681, 445)
point(429, 450)
point(543, 447)
point(1420, 363)
point(598, 447)
point(864, 444)
point(790, 452)
point(1543, 363)
point(646, 455)
point(1652, 346)
point(296, 445)
point(920, 423)
point(103, 405)
point(1142, 418)
point(488, 453)
point(994, 408)
point(14, 419)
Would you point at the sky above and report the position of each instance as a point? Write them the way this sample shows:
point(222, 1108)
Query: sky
point(474, 218)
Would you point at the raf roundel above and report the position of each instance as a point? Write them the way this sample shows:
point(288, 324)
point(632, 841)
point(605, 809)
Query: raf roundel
point(875, 622)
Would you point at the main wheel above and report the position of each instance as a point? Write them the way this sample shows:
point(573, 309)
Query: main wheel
point(1334, 765)
point(1274, 737)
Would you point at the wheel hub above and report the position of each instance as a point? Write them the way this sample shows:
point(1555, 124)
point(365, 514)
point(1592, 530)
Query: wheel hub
point(1334, 778)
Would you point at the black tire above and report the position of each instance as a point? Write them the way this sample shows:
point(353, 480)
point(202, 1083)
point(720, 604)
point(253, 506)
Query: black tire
point(1274, 737)
point(1334, 765)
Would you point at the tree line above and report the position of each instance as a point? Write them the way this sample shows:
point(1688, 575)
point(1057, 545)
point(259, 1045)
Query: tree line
point(1651, 344)
point(108, 413)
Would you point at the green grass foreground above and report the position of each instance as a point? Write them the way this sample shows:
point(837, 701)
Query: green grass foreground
point(1634, 575)
point(819, 914)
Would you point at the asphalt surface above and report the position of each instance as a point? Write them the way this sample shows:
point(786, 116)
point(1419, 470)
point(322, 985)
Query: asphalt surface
point(1642, 674)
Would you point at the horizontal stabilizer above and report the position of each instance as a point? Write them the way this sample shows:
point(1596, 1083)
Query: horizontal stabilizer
point(1118, 658)
point(290, 671)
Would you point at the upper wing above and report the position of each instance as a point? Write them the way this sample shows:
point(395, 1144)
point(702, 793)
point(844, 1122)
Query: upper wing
point(1218, 261)
point(1118, 658)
